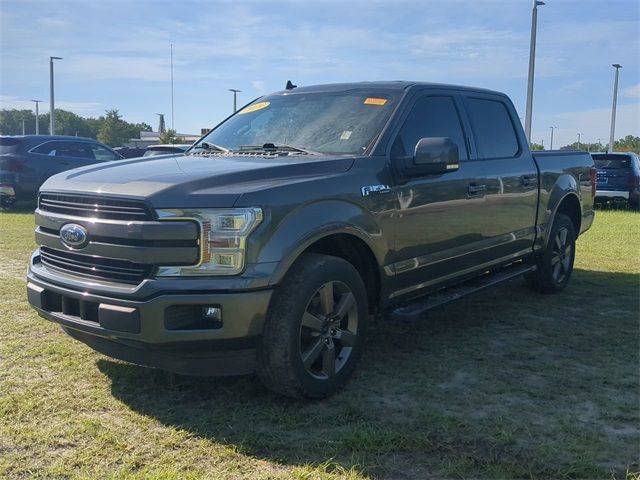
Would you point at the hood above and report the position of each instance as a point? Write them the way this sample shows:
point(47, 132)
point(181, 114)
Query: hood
point(183, 181)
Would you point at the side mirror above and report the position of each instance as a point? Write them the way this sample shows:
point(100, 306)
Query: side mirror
point(433, 156)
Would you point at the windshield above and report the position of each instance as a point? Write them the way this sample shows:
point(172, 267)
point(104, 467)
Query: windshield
point(324, 122)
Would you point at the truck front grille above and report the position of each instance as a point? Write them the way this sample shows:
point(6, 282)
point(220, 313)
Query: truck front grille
point(93, 207)
point(95, 267)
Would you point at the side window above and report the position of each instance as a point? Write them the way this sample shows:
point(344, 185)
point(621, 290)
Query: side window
point(430, 117)
point(492, 128)
point(73, 150)
point(101, 153)
point(47, 148)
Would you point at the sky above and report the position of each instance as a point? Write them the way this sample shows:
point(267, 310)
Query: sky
point(116, 55)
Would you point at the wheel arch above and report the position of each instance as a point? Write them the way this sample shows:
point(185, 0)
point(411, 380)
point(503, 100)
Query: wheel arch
point(570, 206)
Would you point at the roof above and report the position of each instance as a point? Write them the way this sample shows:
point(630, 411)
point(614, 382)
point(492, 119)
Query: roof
point(395, 85)
point(613, 154)
point(48, 137)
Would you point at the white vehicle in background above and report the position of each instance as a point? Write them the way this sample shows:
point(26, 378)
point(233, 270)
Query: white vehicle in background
point(154, 150)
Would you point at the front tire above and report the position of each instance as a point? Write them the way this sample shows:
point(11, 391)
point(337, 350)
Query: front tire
point(555, 264)
point(314, 332)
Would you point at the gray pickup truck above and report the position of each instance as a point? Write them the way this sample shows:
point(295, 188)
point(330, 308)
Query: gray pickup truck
point(267, 247)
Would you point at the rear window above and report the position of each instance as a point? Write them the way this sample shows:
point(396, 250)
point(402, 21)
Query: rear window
point(612, 163)
point(9, 145)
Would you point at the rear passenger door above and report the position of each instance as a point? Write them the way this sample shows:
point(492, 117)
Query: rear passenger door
point(506, 178)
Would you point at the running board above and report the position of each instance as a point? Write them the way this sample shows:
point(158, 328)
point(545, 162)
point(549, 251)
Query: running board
point(417, 307)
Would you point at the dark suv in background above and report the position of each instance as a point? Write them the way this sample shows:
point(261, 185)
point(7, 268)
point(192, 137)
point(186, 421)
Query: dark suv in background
point(27, 161)
point(618, 178)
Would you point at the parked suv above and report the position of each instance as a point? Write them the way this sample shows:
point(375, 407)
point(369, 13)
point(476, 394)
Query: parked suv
point(618, 178)
point(27, 161)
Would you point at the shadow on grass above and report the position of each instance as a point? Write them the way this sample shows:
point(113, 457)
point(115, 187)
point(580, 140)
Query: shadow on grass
point(494, 385)
point(21, 207)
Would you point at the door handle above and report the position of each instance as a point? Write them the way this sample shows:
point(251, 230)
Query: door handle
point(529, 180)
point(476, 190)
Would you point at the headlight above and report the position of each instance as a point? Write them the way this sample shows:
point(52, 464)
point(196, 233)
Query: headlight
point(223, 239)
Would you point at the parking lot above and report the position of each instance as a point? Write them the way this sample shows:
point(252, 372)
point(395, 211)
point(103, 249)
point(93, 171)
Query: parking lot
point(504, 384)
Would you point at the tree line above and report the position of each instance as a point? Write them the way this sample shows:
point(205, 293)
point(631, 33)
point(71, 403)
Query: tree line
point(630, 143)
point(110, 128)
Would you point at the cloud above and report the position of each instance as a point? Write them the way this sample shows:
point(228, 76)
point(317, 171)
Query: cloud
point(258, 85)
point(632, 92)
point(81, 108)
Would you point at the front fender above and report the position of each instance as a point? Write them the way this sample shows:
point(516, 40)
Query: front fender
point(309, 223)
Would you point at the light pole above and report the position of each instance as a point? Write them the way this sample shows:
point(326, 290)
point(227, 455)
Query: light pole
point(532, 64)
point(52, 121)
point(37, 118)
point(579, 135)
point(173, 127)
point(235, 92)
point(617, 66)
point(551, 144)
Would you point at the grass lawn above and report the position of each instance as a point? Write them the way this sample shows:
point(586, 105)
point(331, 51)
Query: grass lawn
point(506, 383)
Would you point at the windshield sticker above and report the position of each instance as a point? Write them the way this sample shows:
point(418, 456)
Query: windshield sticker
point(375, 101)
point(346, 135)
point(254, 107)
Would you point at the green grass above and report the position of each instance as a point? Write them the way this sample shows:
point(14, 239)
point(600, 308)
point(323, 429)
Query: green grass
point(506, 383)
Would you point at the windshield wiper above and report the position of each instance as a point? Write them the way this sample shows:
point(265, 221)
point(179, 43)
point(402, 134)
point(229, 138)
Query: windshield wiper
point(211, 146)
point(273, 148)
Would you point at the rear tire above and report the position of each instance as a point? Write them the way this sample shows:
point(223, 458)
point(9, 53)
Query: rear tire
point(314, 332)
point(555, 263)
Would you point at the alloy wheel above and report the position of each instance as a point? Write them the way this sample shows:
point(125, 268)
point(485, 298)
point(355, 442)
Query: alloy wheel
point(561, 256)
point(328, 330)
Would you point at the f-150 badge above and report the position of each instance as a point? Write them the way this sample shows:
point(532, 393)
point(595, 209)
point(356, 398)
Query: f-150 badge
point(369, 189)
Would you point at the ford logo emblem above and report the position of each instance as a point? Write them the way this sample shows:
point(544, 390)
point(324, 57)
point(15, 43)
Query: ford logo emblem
point(74, 235)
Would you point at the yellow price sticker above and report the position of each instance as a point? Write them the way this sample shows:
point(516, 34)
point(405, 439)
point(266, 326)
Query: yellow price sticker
point(254, 107)
point(375, 101)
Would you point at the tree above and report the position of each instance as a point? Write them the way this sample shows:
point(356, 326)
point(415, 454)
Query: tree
point(536, 146)
point(170, 136)
point(68, 123)
point(630, 143)
point(114, 131)
point(587, 147)
point(11, 122)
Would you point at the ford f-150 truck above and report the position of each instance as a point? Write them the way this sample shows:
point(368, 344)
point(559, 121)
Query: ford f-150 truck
point(269, 244)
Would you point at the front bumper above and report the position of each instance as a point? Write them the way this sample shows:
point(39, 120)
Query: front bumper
point(134, 329)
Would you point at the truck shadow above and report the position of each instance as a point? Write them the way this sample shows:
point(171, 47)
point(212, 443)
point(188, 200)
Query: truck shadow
point(427, 391)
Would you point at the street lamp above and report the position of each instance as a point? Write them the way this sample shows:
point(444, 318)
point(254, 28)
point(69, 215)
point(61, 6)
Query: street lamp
point(532, 63)
point(551, 144)
point(235, 92)
point(52, 121)
point(617, 66)
point(579, 135)
point(37, 118)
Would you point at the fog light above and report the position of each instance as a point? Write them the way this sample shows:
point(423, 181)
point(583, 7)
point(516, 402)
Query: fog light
point(193, 317)
point(212, 313)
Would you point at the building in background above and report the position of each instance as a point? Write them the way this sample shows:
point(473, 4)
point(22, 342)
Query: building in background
point(153, 138)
